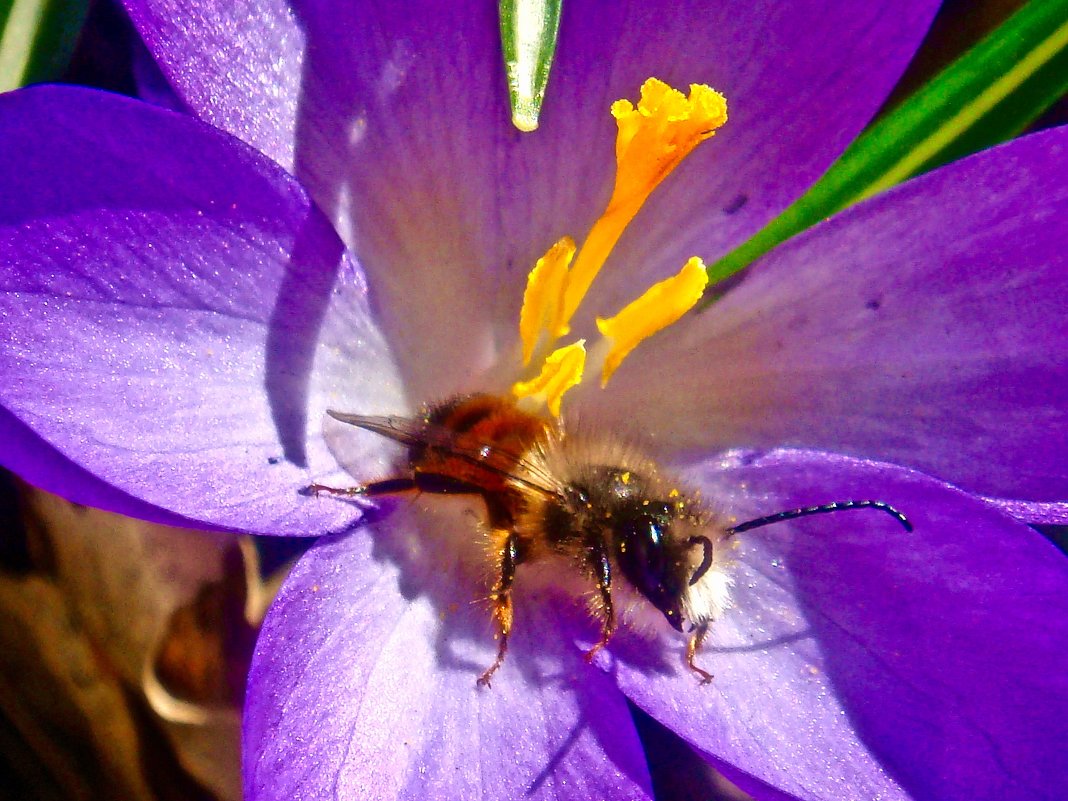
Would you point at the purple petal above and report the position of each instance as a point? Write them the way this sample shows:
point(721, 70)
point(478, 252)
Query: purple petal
point(43, 466)
point(395, 116)
point(861, 661)
point(927, 327)
point(363, 684)
point(237, 65)
point(160, 318)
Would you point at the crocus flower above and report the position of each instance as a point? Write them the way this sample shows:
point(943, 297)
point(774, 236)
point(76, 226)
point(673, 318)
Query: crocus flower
point(177, 314)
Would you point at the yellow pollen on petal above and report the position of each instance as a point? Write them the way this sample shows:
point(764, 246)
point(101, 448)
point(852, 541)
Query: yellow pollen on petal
point(563, 369)
point(652, 140)
point(541, 299)
point(661, 305)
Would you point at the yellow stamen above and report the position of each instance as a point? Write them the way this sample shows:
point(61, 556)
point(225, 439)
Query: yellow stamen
point(541, 300)
point(562, 370)
point(661, 305)
point(651, 141)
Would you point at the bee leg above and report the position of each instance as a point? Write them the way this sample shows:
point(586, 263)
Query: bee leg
point(696, 639)
point(422, 482)
point(601, 567)
point(509, 556)
point(390, 486)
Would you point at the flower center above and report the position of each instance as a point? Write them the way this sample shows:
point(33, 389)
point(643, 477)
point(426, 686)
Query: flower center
point(651, 140)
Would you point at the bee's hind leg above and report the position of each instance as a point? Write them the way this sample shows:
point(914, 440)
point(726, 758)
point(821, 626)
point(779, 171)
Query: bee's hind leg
point(601, 566)
point(508, 556)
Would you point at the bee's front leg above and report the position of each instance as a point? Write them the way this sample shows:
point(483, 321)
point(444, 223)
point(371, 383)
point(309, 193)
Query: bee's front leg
point(696, 639)
point(417, 482)
point(508, 556)
point(390, 486)
point(601, 567)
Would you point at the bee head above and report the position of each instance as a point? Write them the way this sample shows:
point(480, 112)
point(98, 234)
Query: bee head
point(653, 557)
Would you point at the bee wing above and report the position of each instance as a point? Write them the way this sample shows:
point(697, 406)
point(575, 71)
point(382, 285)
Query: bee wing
point(405, 430)
point(414, 432)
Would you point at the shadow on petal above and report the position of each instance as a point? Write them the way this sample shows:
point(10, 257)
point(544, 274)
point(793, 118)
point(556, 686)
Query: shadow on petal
point(370, 666)
point(293, 332)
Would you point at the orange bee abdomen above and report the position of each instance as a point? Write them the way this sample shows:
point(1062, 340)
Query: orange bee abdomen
point(488, 424)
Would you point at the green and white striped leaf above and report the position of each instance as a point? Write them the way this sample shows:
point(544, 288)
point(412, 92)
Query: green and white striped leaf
point(37, 38)
point(989, 95)
point(528, 35)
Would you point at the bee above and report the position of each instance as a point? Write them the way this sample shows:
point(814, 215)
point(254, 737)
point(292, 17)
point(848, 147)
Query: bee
point(592, 501)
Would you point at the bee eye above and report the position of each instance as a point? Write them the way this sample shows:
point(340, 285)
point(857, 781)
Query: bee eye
point(643, 555)
point(643, 537)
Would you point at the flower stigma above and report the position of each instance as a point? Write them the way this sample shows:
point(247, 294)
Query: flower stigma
point(652, 139)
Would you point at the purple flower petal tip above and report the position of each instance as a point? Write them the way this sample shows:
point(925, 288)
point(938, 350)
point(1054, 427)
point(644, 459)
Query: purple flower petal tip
point(168, 294)
point(853, 646)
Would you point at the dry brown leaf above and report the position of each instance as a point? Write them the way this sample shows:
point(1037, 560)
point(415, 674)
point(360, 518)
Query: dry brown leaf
point(168, 613)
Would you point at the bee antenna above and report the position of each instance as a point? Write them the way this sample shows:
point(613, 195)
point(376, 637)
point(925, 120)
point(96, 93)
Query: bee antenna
point(839, 506)
point(706, 560)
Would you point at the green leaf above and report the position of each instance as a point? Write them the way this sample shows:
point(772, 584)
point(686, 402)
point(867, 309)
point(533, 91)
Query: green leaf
point(990, 94)
point(528, 35)
point(37, 38)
